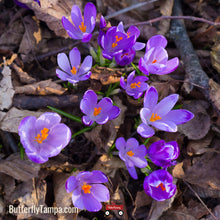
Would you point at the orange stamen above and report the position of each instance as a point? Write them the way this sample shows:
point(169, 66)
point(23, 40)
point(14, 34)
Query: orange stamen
point(117, 39)
point(154, 117)
point(161, 185)
point(114, 45)
point(130, 153)
point(134, 85)
point(40, 138)
point(154, 61)
point(86, 188)
point(125, 54)
point(97, 111)
point(82, 27)
point(73, 70)
point(128, 34)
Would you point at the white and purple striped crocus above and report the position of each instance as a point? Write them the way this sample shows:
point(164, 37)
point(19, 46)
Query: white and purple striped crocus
point(88, 190)
point(155, 60)
point(132, 154)
point(135, 86)
point(81, 27)
point(127, 55)
point(160, 115)
point(163, 154)
point(99, 112)
point(71, 69)
point(43, 137)
point(159, 185)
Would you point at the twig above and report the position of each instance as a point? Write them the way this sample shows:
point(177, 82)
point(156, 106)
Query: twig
point(194, 71)
point(198, 197)
point(132, 7)
point(174, 17)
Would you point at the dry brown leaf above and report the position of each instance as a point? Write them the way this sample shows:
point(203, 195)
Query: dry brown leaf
point(51, 12)
point(6, 89)
point(199, 146)
point(178, 171)
point(12, 118)
point(106, 75)
point(166, 8)
point(181, 213)
point(199, 126)
point(159, 207)
point(19, 169)
point(216, 213)
point(205, 172)
point(109, 165)
point(214, 91)
point(197, 209)
point(46, 87)
point(62, 198)
point(215, 53)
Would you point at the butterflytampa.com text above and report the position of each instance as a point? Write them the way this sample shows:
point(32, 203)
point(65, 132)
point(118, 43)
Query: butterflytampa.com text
point(41, 210)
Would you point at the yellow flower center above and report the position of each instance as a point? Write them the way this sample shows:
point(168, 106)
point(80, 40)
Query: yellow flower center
point(154, 117)
point(161, 185)
point(73, 70)
point(86, 188)
point(130, 153)
point(82, 27)
point(117, 39)
point(154, 61)
point(43, 136)
point(134, 85)
point(97, 111)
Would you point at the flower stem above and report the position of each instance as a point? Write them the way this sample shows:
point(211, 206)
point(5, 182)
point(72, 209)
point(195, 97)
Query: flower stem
point(72, 117)
point(146, 141)
point(82, 131)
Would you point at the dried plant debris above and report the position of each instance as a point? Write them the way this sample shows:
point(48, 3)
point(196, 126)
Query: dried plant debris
point(51, 12)
point(6, 89)
point(12, 118)
point(46, 87)
point(199, 126)
point(214, 91)
point(19, 169)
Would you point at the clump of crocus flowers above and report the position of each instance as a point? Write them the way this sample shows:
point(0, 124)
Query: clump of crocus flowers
point(45, 137)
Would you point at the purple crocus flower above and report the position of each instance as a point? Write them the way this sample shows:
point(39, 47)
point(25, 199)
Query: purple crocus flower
point(114, 42)
point(102, 22)
point(72, 71)
point(88, 192)
point(81, 26)
point(43, 137)
point(132, 154)
point(135, 86)
point(159, 185)
point(127, 55)
point(162, 154)
point(24, 5)
point(160, 115)
point(100, 112)
point(155, 60)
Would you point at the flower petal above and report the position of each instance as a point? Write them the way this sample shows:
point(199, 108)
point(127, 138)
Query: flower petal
point(86, 37)
point(77, 198)
point(75, 57)
point(156, 41)
point(47, 120)
point(163, 125)
point(63, 62)
point(97, 177)
point(143, 66)
point(145, 130)
point(179, 116)
point(76, 16)
point(139, 162)
point(36, 158)
point(120, 143)
point(63, 75)
point(86, 65)
point(131, 143)
point(133, 30)
point(105, 104)
point(89, 12)
point(87, 121)
point(114, 112)
point(70, 29)
point(71, 184)
point(132, 172)
point(88, 102)
point(145, 114)
point(122, 82)
point(138, 46)
point(130, 77)
point(91, 203)
point(100, 192)
point(165, 105)
point(170, 66)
